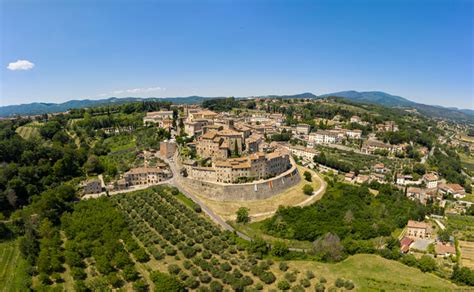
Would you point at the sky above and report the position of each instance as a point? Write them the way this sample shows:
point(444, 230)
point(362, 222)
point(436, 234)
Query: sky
point(54, 51)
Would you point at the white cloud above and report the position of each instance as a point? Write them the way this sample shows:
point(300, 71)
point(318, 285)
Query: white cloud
point(20, 65)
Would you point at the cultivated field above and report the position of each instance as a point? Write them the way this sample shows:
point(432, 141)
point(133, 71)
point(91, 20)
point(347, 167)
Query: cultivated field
point(13, 275)
point(467, 253)
point(262, 209)
point(30, 130)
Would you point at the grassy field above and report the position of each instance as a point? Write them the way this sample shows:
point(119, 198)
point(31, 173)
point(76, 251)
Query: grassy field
point(372, 273)
point(463, 226)
point(261, 209)
point(467, 161)
point(30, 130)
point(13, 268)
point(467, 253)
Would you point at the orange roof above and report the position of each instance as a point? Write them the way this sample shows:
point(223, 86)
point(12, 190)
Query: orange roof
point(417, 224)
point(444, 249)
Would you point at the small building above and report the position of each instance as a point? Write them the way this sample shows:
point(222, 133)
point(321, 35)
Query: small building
point(431, 180)
point(380, 168)
point(355, 119)
point(360, 179)
point(303, 129)
point(349, 177)
point(417, 229)
point(405, 244)
point(92, 186)
point(456, 190)
point(445, 250)
point(354, 134)
point(167, 149)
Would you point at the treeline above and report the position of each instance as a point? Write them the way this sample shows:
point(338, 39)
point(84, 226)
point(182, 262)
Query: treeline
point(128, 108)
point(347, 211)
point(335, 163)
point(221, 104)
point(449, 166)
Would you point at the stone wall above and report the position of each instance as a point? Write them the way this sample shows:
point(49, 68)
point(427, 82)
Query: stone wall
point(244, 192)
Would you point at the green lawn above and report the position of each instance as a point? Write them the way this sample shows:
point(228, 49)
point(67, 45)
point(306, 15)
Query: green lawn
point(13, 268)
point(185, 200)
point(372, 273)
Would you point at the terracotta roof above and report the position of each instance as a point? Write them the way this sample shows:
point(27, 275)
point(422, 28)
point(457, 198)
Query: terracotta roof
point(417, 224)
point(444, 249)
point(430, 177)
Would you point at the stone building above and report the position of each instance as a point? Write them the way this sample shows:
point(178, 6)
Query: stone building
point(167, 149)
point(219, 145)
point(416, 229)
point(145, 176)
point(92, 186)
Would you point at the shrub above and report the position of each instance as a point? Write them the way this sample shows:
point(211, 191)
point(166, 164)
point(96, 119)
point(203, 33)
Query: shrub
point(170, 251)
point(215, 286)
point(297, 288)
point(340, 283)
point(426, 264)
point(174, 269)
point(320, 287)
point(191, 283)
point(305, 283)
point(205, 278)
point(307, 176)
point(283, 285)
point(349, 285)
point(267, 277)
point(226, 267)
point(308, 190)
point(165, 283)
point(78, 273)
point(130, 273)
point(322, 280)
point(309, 275)
point(283, 266)
point(243, 215)
point(141, 255)
point(140, 286)
point(279, 248)
point(290, 277)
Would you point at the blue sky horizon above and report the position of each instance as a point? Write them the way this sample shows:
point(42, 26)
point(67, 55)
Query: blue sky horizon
point(55, 51)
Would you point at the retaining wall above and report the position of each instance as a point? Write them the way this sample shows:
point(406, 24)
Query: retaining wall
point(244, 192)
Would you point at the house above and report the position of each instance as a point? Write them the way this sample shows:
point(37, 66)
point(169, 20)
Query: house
point(445, 249)
point(349, 177)
point(322, 137)
point(380, 168)
point(416, 193)
point(370, 146)
point(405, 244)
point(145, 176)
point(302, 129)
point(456, 190)
point(431, 180)
point(406, 179)
point(92, 186)
point(305, 153)
point(354, 134)
point(417, 229)
point(355, 119)
point(360, 179)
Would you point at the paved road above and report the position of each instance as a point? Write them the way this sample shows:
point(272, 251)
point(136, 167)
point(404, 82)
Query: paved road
point(209, 212)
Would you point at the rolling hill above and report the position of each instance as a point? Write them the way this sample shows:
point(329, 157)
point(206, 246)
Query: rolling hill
point(374, 97)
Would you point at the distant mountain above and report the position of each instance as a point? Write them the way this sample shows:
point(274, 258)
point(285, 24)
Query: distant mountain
point(385, 99)
point(38, 108)
point(374, 97)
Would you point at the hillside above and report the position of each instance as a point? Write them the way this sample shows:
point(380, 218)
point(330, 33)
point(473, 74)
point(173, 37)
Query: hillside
point(385, 99)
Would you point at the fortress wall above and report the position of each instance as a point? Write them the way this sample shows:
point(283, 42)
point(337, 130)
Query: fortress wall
point(244, 192)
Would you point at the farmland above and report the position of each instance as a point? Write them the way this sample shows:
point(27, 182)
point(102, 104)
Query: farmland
point(13, 268)
point(30, 130)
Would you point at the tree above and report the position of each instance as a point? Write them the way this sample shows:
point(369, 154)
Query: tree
point(463, 275)
point(426, 264)
point(283, 285)
point(243, 215)
point(328, 247)
point(307, 176)
point(279, 248)
point(258, 245)
point(166, 283)
point(308, 190)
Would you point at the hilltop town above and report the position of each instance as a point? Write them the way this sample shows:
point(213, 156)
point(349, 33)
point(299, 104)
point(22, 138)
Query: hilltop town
point(263, 179)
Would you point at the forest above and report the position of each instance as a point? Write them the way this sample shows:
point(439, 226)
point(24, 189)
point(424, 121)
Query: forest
point(349, 212)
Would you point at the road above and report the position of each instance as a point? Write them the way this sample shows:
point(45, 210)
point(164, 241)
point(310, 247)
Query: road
point(174, 182)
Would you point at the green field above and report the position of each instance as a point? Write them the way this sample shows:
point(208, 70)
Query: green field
point(30, 130)
point(13, 268)
point(372, 273)
point(463, 226)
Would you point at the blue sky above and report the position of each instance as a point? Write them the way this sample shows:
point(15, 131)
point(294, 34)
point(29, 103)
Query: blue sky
point(422, 50)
